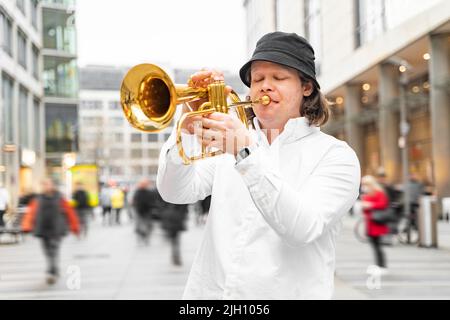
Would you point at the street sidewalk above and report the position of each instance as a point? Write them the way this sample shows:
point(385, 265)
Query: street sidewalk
point(413, 272)
point(113, 266)
point(109, 261)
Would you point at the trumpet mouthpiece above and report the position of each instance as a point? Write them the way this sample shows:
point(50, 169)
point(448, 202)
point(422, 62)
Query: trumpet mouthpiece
point(265, 100)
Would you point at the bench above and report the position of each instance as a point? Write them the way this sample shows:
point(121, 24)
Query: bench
point(13, 227)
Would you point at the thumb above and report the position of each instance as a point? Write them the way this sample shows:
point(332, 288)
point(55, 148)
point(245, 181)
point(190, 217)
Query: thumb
point(228, 90)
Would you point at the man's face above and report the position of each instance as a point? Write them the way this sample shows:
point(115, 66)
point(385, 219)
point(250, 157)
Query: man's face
point(283, 86)
point(48, 186)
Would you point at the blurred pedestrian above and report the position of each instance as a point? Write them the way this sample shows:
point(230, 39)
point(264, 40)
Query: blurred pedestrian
point(105, 202)
point(374, 198)
point(391, 192)
point(82, 206)
point(26, 198)
point(173, 222)
point(126, 206)
point(50, 216)
point(4, 203)
point(117, 202)
point(204, 210)
point(145, 202)
point(416, 190)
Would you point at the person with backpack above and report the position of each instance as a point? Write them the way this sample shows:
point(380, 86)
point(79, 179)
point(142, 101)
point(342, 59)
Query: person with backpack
point(82, 207)
point(49, 216)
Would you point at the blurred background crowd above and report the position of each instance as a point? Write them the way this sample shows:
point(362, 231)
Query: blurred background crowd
point(383, 64)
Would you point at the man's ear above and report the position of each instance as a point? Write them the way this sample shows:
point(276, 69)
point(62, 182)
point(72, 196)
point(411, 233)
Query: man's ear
point(307, 88)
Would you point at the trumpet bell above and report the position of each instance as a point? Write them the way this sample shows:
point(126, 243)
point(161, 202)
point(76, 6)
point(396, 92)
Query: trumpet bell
point(148, 98)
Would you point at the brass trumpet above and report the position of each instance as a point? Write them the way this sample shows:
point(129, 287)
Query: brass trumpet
point(149, 100)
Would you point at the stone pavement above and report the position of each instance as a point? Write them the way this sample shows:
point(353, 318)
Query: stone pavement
point(112, 266)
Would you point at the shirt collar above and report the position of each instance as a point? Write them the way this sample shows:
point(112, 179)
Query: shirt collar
point(295, 129)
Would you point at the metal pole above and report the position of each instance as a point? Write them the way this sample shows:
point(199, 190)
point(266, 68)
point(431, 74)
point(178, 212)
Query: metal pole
point(404, 130)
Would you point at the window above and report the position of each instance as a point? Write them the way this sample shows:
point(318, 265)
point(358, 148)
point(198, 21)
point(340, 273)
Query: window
point(61, 126)
point(118, 138)
point(116, 121)
point(22, 48)
point(114, 105)
point(7, 94)
point(59, 32)
point(92, 138)
point(152, 137)
point(152, 170)
point(137, 170)
point(24, 117)
point(91, 105)
point(35, 66)
point(35, 61)
point(91, 121)
point(37, 124)
point(6, 33)
point(60, 77)
point(34, 13)
point(277, 14)
point(88, 154)
point(370, 20)
point(153, 153)
point(21, 5)
point(136, 137)
point(117, 153)
point(313, 29)
point(136, 153)
point(116, 170)
point(166, 136)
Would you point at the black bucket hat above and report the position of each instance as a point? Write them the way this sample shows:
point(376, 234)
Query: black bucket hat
point(288, 49)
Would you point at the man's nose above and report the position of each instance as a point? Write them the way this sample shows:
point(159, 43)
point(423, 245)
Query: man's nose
point(267, 85)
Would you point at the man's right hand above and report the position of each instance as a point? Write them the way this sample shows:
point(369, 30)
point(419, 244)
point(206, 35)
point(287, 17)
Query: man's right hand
point(200, 79)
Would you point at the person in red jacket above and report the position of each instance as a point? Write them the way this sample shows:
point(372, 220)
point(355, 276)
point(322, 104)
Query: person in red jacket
point(49, 216)
point(374, 198)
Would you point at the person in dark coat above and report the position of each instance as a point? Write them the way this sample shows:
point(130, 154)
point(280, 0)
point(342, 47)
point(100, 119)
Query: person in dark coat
point(375, 198)
point(82, 207)
point(173, 222)
point(205, 204)
point(50, 217)
point(26, 198)
point(145, 202)
point(391, 192)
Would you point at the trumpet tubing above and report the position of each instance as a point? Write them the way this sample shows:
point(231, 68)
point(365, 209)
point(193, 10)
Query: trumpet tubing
point(149, 100)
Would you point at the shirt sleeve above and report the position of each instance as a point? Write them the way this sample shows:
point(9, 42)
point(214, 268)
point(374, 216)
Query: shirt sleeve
point(183, 184)
point(302, 215)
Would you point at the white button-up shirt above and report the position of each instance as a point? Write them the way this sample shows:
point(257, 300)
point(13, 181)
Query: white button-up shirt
point(274, 216)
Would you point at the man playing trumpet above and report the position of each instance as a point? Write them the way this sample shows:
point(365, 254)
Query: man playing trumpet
point(279, 190)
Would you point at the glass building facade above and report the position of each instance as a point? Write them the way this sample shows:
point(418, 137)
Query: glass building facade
point(60, 79)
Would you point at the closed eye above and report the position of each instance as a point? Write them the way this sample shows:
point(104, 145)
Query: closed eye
point(257, 80)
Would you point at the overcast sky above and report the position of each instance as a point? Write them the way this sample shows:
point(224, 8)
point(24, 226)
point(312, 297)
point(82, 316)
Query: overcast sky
point(190, 33)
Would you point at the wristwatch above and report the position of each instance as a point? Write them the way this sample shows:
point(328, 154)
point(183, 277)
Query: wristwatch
point(244, 153)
